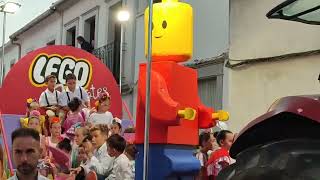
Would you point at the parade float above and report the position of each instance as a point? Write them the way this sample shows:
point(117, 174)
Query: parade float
point(176, 112)
point(26, 80)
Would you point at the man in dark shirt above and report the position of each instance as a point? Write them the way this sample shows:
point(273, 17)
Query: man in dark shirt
point(84, 44)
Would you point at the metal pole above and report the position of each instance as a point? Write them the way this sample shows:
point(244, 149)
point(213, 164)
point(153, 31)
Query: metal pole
point(3, 42)
point(121, 55)
point(148, 83)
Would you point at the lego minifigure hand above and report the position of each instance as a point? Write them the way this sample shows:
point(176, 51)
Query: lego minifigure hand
point(221, 115)
point(187, 113)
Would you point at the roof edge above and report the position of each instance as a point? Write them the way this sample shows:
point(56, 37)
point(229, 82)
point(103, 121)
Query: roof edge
point(38, 19)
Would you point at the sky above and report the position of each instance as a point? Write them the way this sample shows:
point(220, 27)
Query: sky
point(29, 10)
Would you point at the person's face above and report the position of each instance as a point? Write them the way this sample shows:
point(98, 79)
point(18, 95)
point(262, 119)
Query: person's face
point(227, 142)
point(78, 138)
point(82, 155)
point(71, 83)
point(55, 129)
point(34, 123)
point(111, 151)
point(214, 143)
point(98, 138)
point(209, 144)
point(51, 83)
point(88, 147)
point(115, 129)
point(104, 106)
point(34, 106)
point(26, 153)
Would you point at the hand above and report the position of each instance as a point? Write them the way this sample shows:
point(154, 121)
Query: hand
point(53, 108)
point(93, 110)
point(75, 170)
point(89, 125)
point(220, 115)
point(187, 113)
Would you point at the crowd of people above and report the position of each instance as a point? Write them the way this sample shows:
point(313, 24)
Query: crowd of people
point(76, 141)
point(89, 138)
point(213, 153)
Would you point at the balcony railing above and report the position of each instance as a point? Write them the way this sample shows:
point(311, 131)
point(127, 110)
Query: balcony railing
point(106, 54)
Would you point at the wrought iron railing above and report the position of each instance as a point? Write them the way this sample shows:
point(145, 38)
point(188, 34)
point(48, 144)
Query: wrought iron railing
point(106, 54)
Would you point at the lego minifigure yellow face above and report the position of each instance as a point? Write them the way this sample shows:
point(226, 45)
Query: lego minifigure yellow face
point(172, 33)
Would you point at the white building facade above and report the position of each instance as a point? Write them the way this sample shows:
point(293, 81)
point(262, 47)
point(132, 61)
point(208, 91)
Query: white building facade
point(277, 58)
point(96, 21)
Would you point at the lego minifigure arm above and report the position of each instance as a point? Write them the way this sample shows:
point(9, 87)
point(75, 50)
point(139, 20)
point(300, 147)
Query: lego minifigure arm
point(207, 117)
point(163, 107)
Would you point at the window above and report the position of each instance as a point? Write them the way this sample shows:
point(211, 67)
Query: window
point(208, 92)
point(90, 30)
point(71, 36)
point(53, 42)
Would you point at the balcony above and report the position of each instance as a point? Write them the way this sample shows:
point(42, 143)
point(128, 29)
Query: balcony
point(110, 56)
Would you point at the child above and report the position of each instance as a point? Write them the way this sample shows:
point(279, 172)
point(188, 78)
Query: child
point(80, 134)
point(49, 99)
point(102, 116)
point(76, 115)
point(34, 121)
point(53, 140)
point(215, 145)
point(86, 150)
point(205, 142)
point(73, 91)
point(121, 167)
point(65, 146)
point(32, 105)
point(62, 171)
point(103, 167)
point(131, 152)
point(116, 127)
point(55, 131)
point(220, 159)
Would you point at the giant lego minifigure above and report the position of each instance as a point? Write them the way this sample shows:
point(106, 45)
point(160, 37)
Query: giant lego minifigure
point(176, 113)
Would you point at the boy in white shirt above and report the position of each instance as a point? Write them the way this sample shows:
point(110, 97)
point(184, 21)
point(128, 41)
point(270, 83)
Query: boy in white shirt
point(49, 99)
point(73, 91)
point(122, 166)
point(98, 161)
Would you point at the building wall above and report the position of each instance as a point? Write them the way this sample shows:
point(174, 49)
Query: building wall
point(84, 9)
point(251, 89)
point(39, 35)
point(252, 35)
point(55, 26)
point(210, 37)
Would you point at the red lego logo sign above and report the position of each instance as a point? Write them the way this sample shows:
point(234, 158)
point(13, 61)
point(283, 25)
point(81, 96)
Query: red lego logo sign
point(44, 65)
point(26, 78)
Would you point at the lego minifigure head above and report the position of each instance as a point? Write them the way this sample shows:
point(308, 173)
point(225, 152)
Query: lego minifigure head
point(172, 31)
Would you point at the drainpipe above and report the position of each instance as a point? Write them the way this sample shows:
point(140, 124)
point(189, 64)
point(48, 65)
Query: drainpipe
point(17, 44)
